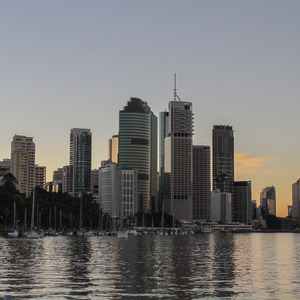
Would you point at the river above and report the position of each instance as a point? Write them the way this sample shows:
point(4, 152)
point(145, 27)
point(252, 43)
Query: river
point(213, 265)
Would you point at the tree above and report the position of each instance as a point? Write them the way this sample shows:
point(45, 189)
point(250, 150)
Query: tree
point(273, 222)
point(9, 183)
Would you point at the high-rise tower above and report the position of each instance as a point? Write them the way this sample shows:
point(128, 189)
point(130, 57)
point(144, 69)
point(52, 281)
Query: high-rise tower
point(223, 158)
point(296, 201)
point(163, 133)
point(178, 178)
point(23, 163)
point(80, 161)
point(268, 200)
point(201, 183)
point(242, 202)
point(138, 148)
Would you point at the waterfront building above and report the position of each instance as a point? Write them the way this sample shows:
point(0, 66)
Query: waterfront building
point(241, 202)
point(296, 201)
point(268, 200)
point(117, 190)
point(221, 209)
point(138, 149)
point(201, 183)
point(223, 158)
point(163, 133)
point(113, 149)
point(128, 202)
point(109, 188)
point(178, 178)
point(80, 161)
point(23, 163)
point(40, 176)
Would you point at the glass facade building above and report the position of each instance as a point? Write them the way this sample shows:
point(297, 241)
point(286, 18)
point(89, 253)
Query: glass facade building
point(201, 183)
point(163, 133)
point(223, 158)
point(242, 202)
point(138, 149)
point(80, 161)
point(179, 162)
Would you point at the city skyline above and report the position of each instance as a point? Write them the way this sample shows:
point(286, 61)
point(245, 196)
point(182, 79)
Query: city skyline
point(74, 64)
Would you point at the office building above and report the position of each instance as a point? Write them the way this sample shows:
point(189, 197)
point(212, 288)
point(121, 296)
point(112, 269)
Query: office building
point(221, 209)
point(23, 163)
point(178, 177)
point(201, 183)
point(117, 190)
point(163, 133)
point(80, 161)
point(113, 149)
point(242, 202)
point(138, 149)
point(296, 200)
point(268, 200)
point(223, 158)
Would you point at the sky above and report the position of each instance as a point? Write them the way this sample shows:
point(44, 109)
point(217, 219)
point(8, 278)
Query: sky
point(74, 64)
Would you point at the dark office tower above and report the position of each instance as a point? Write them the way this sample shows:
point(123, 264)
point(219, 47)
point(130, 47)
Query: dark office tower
point(223, 158)
point(178, 162)
point(268, 200)
point(242, 202)
point(138, 148)
point(201, 183)
point(163, 133)
point(80, 161)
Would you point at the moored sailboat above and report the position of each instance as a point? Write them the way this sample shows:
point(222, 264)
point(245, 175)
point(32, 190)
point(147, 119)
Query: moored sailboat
point(14, 232)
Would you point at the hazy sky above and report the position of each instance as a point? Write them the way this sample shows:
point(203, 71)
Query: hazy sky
point(67, 64)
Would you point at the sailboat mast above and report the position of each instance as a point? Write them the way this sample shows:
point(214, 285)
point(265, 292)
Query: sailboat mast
point(32, 211)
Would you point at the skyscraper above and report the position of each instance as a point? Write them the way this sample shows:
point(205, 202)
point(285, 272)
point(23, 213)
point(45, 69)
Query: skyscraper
point(113, 149)
point(80, 161)
point(223, 158)
point(242, 202)
point(201, 183)
point(178, 161)
point(138, 148)
point(268, 200)
point(163, 133)
point(23, 163)
point(117, 190)
point(296, 201)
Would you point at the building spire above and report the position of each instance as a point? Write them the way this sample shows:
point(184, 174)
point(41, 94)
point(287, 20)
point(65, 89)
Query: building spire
point(175, 90)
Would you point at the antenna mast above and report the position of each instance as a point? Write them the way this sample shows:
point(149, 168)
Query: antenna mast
point(175, 90)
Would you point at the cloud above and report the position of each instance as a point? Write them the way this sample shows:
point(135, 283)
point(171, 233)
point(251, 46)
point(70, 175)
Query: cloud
point(248, 164)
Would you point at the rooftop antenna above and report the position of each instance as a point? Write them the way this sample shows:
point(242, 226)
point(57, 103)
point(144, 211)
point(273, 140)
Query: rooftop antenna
point(175, 90)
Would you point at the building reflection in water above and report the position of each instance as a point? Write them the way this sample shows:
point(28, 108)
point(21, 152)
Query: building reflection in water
point(18, 260)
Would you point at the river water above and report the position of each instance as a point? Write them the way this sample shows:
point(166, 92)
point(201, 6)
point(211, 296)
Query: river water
point(213, 265)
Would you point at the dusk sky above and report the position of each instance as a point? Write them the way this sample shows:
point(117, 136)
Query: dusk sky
point(67, 64)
